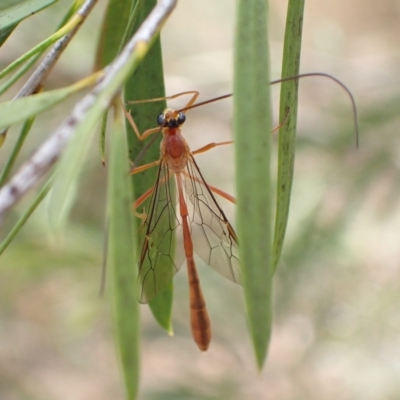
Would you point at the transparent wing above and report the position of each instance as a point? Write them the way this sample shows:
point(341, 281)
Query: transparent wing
point(161, 251)
point(160, 257)
point(214, 239)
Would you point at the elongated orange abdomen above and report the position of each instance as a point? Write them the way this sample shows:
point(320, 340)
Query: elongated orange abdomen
point(199, 319)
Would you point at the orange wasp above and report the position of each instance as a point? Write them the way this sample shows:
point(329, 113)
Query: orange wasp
point(194, 215)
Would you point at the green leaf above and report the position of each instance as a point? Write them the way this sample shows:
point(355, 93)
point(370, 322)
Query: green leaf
point(252, 127)
point(16, 150)
point(112, 31)
point(12, 12)
point(148, 83)
point(15, 111)
point(71, 163)
point(122, 260)
point(161, 307)
point(25, 216)
point(287, 113)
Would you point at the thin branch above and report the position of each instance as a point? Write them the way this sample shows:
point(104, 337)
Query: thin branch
point(33, 170)
point(42, 71)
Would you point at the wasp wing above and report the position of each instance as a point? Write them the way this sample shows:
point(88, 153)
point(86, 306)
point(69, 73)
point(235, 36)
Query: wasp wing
point(159, 257)
point(161, 246)
point(213, 237)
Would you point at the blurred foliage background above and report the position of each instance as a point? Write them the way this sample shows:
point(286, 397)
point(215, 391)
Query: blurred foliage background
point(336, 331)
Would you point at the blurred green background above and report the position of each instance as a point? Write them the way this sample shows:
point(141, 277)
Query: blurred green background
point(336, 332)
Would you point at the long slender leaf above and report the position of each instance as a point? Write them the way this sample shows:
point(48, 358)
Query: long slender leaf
point(8, 83)
point(25, 216)
point(147, 83)
point(69, 26)
point(15, 151)
point(13, 12)
point(122, 256)
point(252, 125)
point(15, 111)
point(287, 113)
point(112, 31)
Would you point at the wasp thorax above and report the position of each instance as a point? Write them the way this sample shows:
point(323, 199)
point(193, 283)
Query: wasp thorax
point(171, 119)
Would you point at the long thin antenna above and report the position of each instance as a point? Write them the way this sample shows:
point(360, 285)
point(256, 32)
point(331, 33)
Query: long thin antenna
point(340, 83)
point(202, 103)
point(290, 78)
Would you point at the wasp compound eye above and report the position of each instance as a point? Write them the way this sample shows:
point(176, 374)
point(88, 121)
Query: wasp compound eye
point(181, 118)
point(161, 119)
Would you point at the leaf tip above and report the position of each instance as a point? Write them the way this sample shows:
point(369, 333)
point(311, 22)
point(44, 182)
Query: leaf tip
point(170, 330)
point(3, 135)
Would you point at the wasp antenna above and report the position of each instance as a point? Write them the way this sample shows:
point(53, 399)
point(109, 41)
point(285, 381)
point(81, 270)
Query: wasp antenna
point(290, 78)
point(340, 83)
point(202, 103)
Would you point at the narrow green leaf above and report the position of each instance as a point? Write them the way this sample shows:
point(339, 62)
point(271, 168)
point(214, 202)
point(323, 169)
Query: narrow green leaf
point(8, 3)
point(27, 65)
point(148, 83)
point(252, 126)
point(42, 46)
point(15, 111)
point(122, 260)
point(15, 151)
point(13, 12)
point(8, 83)
point(112, 31)
point(161, 307)
point(287, 113)
point(68, 171)
point(25, 216)
point(5, 33)
point(102, 137)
